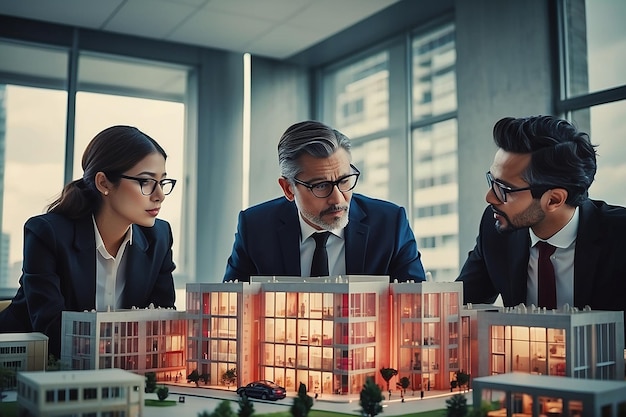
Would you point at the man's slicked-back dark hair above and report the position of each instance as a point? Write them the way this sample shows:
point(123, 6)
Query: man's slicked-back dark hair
point(561, 155)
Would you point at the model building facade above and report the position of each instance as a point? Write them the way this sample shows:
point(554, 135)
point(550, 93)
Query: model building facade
point(146, 340)
point(567, 342)
point(330, 333)
point(110, 392)
point(22, 352)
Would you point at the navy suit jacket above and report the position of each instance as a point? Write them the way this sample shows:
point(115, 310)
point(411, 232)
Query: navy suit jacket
point(59, 273)
point(498, 264)
point(378, 241)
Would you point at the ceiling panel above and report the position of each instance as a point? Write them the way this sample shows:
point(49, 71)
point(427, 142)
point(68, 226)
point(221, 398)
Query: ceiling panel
point(273, 28)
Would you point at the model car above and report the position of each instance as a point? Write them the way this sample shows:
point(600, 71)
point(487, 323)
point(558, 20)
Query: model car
point(265, 390)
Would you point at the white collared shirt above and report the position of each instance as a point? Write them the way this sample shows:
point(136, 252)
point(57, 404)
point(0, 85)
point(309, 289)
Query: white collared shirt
point(110, 278)
point(562, 261)
point(335, 247)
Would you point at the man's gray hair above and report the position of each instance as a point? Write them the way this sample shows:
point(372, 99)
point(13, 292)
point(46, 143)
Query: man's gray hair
point(310, 137)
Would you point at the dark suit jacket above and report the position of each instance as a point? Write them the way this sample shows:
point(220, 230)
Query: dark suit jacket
point(378, 240)
point(59, 273)
point(498, 264)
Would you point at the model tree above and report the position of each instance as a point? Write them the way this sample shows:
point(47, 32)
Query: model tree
point(387, 374)
point(246, 407)
point(151, 382)
point(222, 410)
point(456, 406)
point(302, 403)
point(370, 398)
point(404, 384)
point(229, 377)
point(162, 392)
point(194, 377)
point(205, 377)
point(462, 379)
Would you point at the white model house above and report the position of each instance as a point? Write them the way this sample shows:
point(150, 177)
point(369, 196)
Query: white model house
point(523, 394)
point(23, 352)
point(112, 392)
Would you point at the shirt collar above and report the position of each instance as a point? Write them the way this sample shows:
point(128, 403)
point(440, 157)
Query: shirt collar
point(306, 230)
point(100, 243)
point(564, 237)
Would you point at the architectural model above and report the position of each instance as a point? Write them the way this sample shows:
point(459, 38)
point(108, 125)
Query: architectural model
point(110, 392)
point(566, 342)
point(331, 333)
point(23, 352)
point(523, 394)
point(138, 340)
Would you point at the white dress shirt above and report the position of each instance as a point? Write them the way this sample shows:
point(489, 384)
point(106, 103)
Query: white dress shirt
point(562, 261)
point(110, 279)
point(335, 247)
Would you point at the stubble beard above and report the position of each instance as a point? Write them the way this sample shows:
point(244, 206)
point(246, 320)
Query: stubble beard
point(527, 218)
point(336, 223)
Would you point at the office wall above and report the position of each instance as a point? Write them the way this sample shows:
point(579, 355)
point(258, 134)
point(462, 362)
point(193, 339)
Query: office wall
point(505, 67)
point(280, 97)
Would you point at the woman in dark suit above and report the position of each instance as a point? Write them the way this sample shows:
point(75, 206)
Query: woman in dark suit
point(99, 246)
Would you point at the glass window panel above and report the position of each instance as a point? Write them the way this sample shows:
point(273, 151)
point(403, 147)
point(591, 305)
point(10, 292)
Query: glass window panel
point(605, 120)
point(372, 160)
point(434, 75)
point(32, 133)
point(594, 36)
point(24, 60)
point(360, 93)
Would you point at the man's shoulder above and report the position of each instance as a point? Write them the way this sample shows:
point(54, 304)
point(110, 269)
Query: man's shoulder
point(607, 212)
point(269, 207)
point(374, 203)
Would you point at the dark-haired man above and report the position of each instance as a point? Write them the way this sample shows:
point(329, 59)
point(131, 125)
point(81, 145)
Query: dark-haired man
point(538, 192)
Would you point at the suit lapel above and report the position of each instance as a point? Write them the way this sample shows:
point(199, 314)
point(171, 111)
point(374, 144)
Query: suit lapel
point(83, 275)
point(587, 254)
point(137, 264)
point(356, 236)
point(517, 266)
point(288, 237)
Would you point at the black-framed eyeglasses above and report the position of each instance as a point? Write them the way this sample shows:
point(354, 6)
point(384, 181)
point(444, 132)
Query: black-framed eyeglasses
point(323, 189)
point(501, 190)
point(148, 185)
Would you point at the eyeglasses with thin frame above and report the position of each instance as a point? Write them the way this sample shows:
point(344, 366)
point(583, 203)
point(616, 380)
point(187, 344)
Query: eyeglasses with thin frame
point(323, 189)
point(148, 185)
point(500, 190)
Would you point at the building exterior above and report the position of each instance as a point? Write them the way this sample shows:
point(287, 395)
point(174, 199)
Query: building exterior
point(138, 340)
point(469, 333)
point(567, 342)
point(330, 333)
point(523, 394)
point(223, 321)
point(23, 352)
point(108, 392)
point(426, 332)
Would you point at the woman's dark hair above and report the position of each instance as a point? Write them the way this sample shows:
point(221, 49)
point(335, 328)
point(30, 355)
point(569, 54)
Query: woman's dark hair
point(113, 151)
point(561, 155)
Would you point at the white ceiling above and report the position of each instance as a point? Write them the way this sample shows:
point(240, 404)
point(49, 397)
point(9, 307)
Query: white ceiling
point(271, 28)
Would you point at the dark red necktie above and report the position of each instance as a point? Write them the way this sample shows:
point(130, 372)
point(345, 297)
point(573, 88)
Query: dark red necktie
point(545, 273)
point(319, 265)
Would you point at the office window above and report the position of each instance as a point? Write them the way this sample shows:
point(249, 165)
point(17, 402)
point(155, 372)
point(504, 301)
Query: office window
point(593, 93)
point(435, 155)
point(594, 36)
point(32, 134)
point(33, 122)
point(397, 103)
